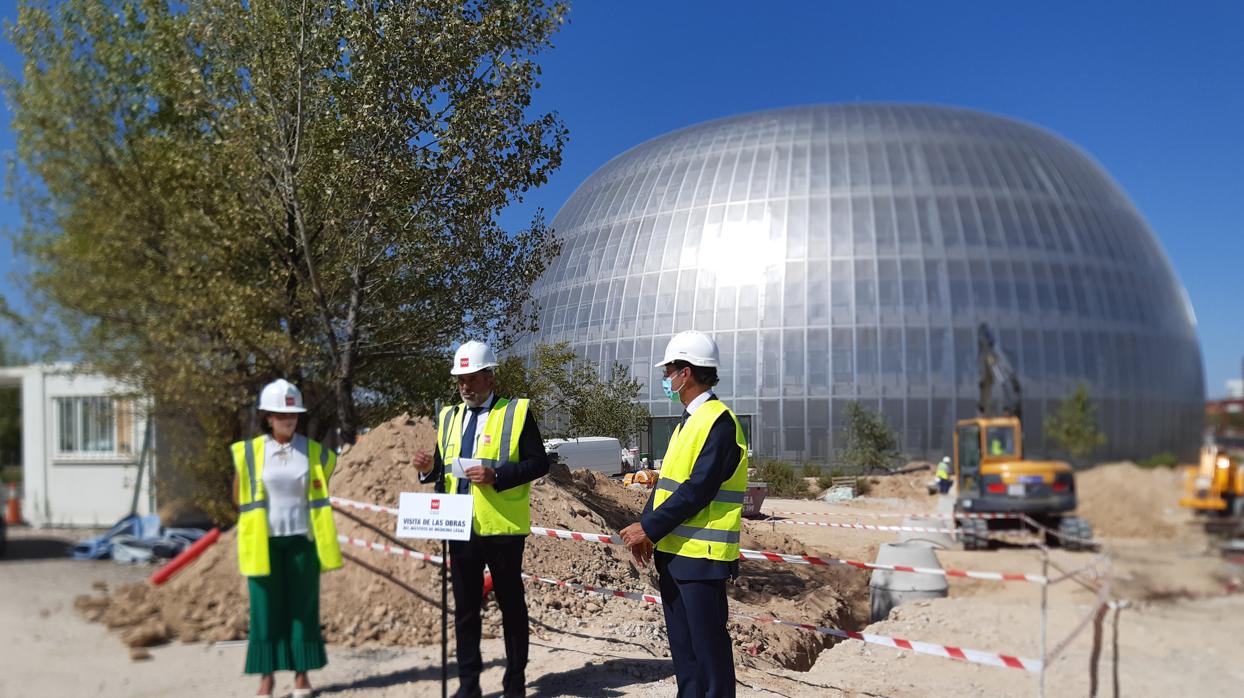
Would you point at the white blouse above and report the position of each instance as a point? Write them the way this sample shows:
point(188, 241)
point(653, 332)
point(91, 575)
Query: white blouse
point(285, 472)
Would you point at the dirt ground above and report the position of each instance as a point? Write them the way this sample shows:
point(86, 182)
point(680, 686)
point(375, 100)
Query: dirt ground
point(1177, 635)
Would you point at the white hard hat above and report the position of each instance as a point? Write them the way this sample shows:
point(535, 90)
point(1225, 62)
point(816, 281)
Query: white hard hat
point(473, 356)
point(945, 459)
point(282, 397)
point(696, 348)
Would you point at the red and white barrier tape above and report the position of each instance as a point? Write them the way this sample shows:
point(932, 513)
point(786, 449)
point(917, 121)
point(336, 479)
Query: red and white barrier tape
point(338, 501)
point(950, 652)
point(392, 550)
point(946, 651)
point(776, 557)
point(900, 515)
point(865, 527)
point(970, 574)
point(576, 535)
point(1057, 533)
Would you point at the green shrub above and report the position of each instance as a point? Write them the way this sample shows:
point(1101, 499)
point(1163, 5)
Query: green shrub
point(1163, 459)
point(10, 474)
point(811, 470)
point(863, 486)
point(826, 481)
point(781, 478)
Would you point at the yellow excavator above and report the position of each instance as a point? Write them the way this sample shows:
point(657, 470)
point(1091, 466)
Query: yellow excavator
point(1215, 486)
point(990, 470)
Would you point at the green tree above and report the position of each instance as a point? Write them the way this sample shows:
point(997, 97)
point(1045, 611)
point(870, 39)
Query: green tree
point(221, 193)
point(1073, 425)
point(570, 397)
point(610, 407)
point(871, 443)
point(10, 412)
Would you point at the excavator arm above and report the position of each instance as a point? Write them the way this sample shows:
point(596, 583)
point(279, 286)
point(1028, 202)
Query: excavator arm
point(996, 373)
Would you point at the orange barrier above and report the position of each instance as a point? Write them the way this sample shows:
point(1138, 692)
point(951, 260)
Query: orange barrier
point(13, 508)
point(187, 556)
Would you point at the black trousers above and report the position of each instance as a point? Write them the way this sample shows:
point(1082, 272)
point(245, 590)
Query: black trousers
point(504, 557)
point(695, 617)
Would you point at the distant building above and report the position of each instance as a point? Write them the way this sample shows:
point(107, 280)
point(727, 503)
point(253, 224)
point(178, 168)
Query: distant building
point(82, 436)
point(848, 252)
point(1235, 388)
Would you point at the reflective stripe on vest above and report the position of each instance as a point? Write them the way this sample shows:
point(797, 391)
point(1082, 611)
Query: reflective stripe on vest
point(505, 512)
point(713, 532)
point(722, 496)
point(252, 523)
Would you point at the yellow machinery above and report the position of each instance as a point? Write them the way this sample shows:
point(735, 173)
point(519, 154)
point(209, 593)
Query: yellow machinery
point(1215, 485)
point(992, 475)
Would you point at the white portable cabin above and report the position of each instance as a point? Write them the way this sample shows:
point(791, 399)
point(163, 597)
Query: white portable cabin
point(600, 453)
point(82, 437)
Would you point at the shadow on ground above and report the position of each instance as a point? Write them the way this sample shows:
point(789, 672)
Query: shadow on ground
point(402, 677)
point(600, 679)
point(34, 548)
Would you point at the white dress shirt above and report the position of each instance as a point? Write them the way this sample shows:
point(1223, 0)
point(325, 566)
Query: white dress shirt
point(480, 419)
point(698, 401)
point(285, 472)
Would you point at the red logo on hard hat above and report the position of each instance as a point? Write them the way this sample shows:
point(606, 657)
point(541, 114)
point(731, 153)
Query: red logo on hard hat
point(289, 400)
point(436, 504)
point(464, 362)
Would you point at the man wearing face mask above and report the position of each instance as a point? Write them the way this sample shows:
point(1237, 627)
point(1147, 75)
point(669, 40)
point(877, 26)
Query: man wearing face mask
point(694, 518)
point(502, 434)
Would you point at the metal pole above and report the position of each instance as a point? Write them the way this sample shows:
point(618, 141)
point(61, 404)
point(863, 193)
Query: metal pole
point(444, 581)
point(143, 456)
point(444, 620)
point(1045, 592)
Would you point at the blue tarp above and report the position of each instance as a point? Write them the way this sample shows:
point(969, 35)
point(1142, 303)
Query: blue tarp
point(136, 539)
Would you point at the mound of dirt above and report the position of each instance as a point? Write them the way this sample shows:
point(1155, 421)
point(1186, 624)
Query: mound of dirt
point(911, 486)
point(382, 599)
point(1125, 501)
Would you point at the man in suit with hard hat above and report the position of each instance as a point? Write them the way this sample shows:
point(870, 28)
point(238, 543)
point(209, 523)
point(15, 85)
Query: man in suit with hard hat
point(694, 517)
point(501, 433)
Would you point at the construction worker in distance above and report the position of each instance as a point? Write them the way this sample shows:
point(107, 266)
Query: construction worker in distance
point(944, 480)
point(694, 519)
point(286, 538)
point(502, 433)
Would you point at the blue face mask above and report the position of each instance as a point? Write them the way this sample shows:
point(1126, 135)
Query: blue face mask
point(667, 384)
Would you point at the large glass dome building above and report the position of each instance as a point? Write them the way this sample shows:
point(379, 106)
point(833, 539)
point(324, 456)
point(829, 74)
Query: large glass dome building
point(848, 252)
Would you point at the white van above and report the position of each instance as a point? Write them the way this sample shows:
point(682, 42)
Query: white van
point(600, 453)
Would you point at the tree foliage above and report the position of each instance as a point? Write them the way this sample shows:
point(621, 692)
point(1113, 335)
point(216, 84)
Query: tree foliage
point(221, 193)
point(781, 478)
point(871, 443)
point(1073, 425)
point(571, 398)
point(10, 413)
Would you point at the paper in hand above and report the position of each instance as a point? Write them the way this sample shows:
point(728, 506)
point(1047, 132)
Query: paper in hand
point(461, 464)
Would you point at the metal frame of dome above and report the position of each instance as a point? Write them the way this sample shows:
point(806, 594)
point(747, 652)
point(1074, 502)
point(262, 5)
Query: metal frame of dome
point(847, 252)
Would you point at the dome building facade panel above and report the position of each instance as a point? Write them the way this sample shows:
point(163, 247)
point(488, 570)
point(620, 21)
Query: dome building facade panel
point(842, 253)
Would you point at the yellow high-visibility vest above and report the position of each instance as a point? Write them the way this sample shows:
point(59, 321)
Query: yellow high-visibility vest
point(248, 457)
point(713, 532)
point(494, 513)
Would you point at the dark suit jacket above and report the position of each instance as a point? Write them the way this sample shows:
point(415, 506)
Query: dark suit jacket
point(715, 464)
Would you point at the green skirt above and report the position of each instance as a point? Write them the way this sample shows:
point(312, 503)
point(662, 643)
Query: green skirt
point(285, 610)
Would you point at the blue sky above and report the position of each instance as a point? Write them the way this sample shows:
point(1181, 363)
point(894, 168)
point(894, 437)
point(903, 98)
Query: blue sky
point(1154, 91)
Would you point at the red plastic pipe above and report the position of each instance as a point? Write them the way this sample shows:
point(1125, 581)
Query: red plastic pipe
point(187, 556)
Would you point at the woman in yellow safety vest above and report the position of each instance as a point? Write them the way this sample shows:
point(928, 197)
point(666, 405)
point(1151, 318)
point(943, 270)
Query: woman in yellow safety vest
point(286, 538)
